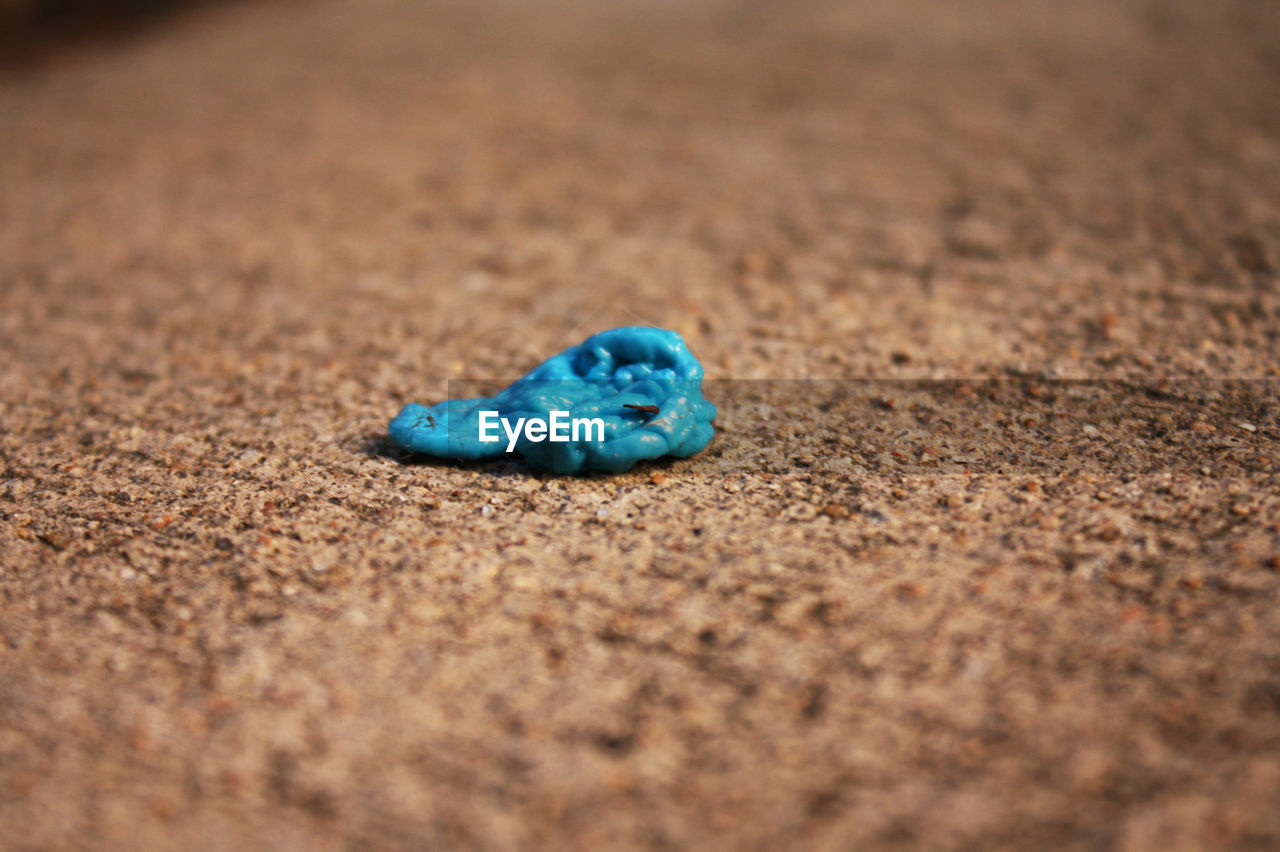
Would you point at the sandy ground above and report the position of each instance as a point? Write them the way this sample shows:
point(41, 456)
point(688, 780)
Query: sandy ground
point(1031, 601)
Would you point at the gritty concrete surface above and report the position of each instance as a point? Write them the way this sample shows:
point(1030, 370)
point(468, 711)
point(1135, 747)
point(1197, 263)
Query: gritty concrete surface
point(1031, 601)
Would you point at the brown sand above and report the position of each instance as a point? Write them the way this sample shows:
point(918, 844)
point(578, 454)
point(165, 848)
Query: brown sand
point(231, 615)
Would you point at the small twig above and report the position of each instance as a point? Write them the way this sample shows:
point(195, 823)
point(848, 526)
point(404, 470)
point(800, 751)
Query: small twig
point(644, 409)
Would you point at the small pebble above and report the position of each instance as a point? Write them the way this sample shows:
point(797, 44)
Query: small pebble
point(1248, 427)
point(976, 238)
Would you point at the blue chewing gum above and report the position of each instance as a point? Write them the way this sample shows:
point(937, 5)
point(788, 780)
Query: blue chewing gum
point(617, 398)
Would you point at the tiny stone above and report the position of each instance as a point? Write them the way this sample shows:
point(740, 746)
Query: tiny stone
point(976, 238)
point(1248, 427)
point(835, 511)
point(1201, 426)
point(1091, 431)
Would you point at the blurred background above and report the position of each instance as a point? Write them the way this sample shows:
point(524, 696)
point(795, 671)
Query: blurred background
point(32, 29)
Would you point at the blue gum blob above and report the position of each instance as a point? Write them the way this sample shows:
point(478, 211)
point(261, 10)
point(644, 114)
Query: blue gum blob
point(617, 376)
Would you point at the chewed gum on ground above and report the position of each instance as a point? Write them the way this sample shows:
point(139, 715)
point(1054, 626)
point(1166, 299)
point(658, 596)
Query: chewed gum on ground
point(619, 397)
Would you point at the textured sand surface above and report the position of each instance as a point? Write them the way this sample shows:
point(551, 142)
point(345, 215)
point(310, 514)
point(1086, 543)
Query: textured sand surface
point(998, 609)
